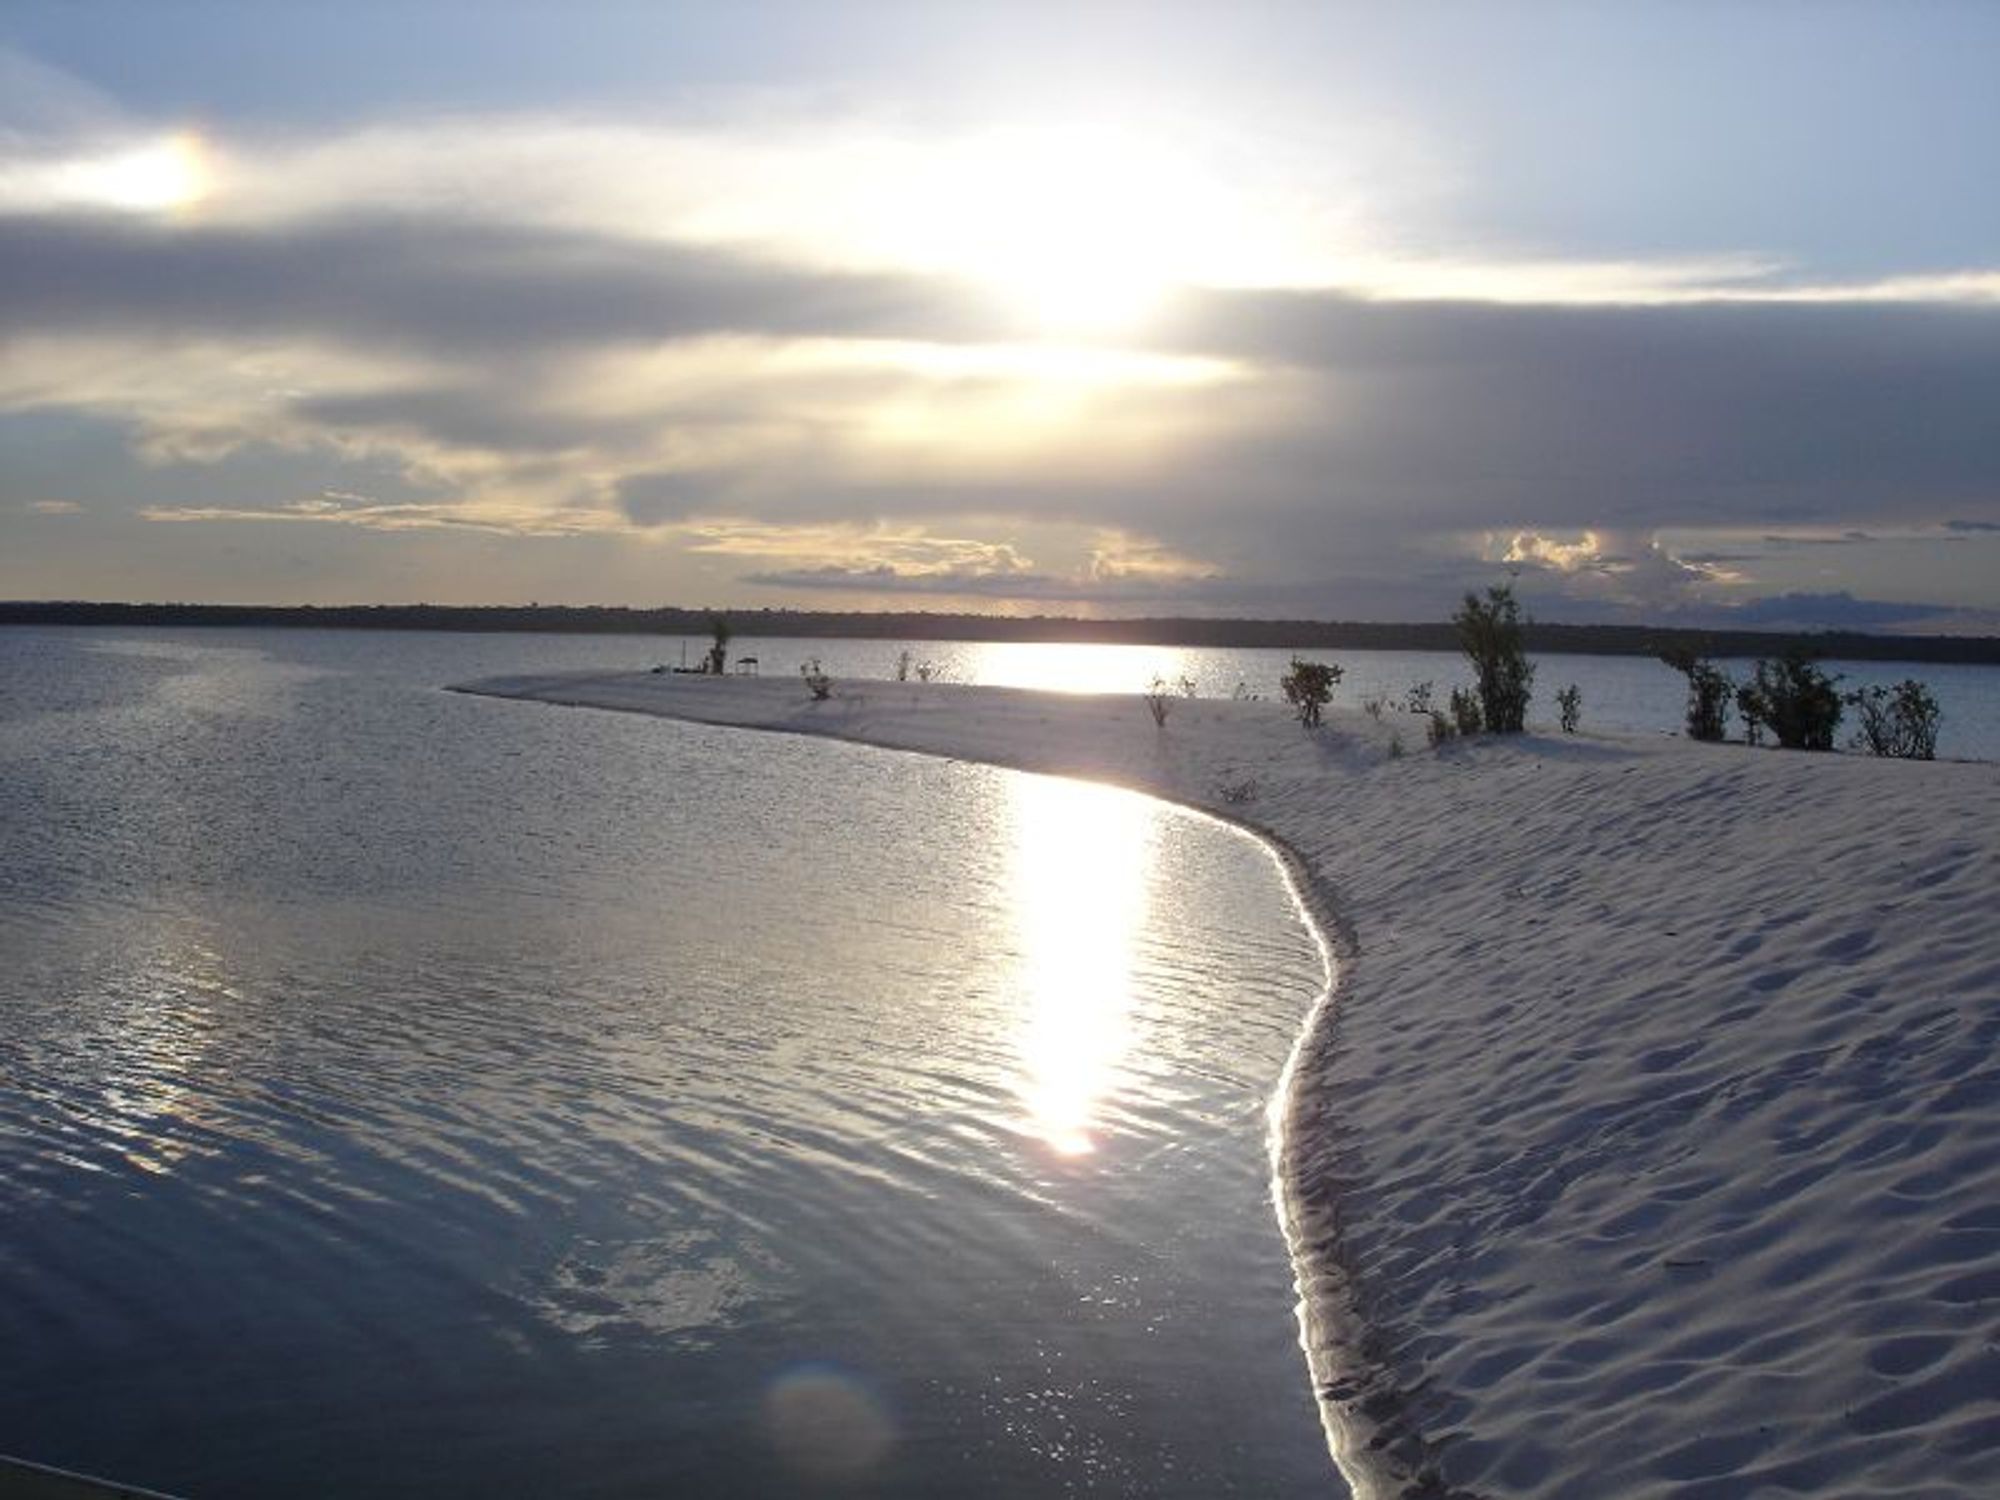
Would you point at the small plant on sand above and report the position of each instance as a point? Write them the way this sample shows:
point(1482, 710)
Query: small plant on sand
point(1419, 699)
point(1160, 695)
point(1237, 793)
point(1793, 699)
point(1709, 690)
point(818, 683)
point(926, 670)
point(1569, 703)
point(1373, 708)
point(718, 652)
point(1242, 693)
point(903, 667)
point(1438, 729)
point(1308, 687)
point(1465, 715)
point(1489, 633)
point(1395, 745)
point(1901, 722)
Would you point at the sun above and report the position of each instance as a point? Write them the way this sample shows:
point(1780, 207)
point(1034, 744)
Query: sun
point(159, 176)
point(1079, 231)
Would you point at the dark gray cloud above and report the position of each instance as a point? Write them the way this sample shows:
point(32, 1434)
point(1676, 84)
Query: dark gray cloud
point(448, 287)
point(470, 416)
point(1838, 610)
point(1975, 527)
point(886, 578)
point(1844, 539)
point(657, 499)
point(1632, 416)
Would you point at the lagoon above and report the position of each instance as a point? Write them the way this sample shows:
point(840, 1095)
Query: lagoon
point(406, 1093)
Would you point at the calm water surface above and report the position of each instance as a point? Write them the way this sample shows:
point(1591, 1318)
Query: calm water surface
point(406, 1093)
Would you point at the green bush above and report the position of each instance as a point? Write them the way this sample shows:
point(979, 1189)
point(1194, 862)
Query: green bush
point(1569, 703)
point(1709, 690)
point(1489, 634)
point(1901, 721)
point(1465, 714)
point(1308, 687)
point(718, 653)
point(1793, 699)
point(1747, 705)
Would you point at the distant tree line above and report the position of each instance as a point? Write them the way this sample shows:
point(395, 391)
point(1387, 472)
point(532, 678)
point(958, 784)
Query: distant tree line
point(1588, 640)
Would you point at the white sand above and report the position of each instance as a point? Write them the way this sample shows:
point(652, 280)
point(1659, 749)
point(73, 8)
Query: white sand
point(1659, 1105)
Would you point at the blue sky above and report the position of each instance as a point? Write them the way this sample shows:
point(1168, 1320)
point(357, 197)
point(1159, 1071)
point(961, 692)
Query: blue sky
point(1681, 313)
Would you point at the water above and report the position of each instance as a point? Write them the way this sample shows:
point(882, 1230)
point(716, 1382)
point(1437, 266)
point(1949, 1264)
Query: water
point(407, 1093)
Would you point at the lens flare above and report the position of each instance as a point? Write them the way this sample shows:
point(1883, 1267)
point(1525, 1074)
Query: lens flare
point(825, 1423)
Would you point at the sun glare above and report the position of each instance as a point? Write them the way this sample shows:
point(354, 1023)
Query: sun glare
point(162, 175)
point(1080, 231)
point(1081, 855)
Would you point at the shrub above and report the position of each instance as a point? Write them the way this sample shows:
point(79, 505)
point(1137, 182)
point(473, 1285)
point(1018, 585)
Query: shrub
point(1373, 708)
point(1489, 634)
point(1569, 703)
point(1308, 687)
point(1709, 690)
point(1901, 721)
point(718, 653)
point(1438, 729)
point(1419, 700)
point(818, 683)
point(1795, 700)
point(1465, 715)
point(903, 667)
point(1746, 705)
point(1160, 695)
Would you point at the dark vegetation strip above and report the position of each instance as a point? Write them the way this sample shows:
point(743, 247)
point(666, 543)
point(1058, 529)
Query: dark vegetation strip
point(1583, 640)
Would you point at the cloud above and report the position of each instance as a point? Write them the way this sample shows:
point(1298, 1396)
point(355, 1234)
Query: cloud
point(53, 507)
point(440, 286)
point(1841, 610)
point(339, 508)
point(884, 578)
point(1806, 539)
point(575, 366)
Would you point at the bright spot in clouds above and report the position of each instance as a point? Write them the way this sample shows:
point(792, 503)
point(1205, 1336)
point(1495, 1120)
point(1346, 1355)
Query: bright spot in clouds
point(169, 173)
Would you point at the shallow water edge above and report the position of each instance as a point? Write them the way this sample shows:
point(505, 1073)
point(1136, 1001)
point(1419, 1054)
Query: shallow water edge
point(1370, 1435)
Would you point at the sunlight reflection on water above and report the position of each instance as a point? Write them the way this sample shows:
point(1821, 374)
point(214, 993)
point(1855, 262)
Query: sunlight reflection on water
point(1081, 867)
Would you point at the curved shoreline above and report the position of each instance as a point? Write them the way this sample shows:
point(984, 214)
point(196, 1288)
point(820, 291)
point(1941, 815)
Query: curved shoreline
point(1665, 1147)
point(1377, 1451)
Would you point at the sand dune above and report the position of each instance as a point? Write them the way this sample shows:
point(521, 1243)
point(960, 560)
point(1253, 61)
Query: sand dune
point(1655, 1131)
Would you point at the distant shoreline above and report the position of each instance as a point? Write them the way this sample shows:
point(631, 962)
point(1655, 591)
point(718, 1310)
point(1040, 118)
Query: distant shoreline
point(1241, 634)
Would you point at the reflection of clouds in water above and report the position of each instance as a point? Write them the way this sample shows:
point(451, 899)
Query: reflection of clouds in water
point(155, 1035)
point(1081, 862)
point(826, 1423)
point(686, 1284)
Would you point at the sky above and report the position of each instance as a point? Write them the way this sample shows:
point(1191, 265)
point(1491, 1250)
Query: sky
point(1678, 313)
